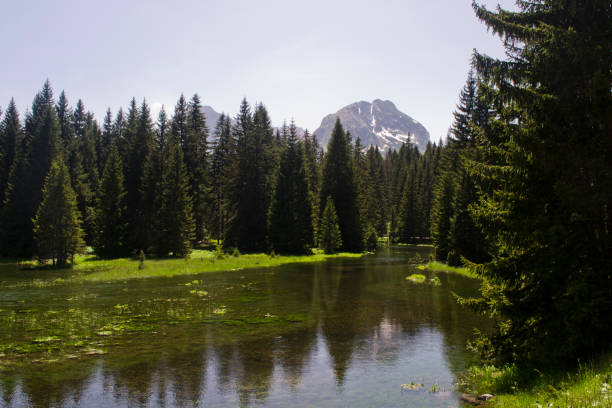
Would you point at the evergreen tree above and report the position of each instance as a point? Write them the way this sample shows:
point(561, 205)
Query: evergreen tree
point(110, 209)
point(195, 148)
point(330, 237)
point(107, 139)
point(221, 175)
point(441, 215)
point(27, 176)
point(410, 209)
point(57, 226)
point(176, 219)
point(251, 190)
point(338, 182)
point(547, 186)
point(290, 217)
point(11, 138)
point(64, 117)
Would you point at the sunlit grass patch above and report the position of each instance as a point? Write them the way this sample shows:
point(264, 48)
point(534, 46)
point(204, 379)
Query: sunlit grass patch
point(416, 278)
point(588, 386)
point(442, 267)
point(91, 268)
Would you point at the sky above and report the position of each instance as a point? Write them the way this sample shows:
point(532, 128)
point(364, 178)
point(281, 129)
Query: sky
point(302, 60)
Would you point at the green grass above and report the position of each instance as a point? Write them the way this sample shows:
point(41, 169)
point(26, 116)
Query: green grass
point(91, 268)
point(416, 278)
point(588, 386)
point(442, 267)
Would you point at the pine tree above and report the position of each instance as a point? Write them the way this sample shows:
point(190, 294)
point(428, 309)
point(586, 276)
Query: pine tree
point(547, 186)
point(330, 237)
point(251, 190)
point(410, 209)
point(442, 212)
point(221, 175)
point(64, 117)
point(57, 226)
point(140, 180)
point(338, 182)
point(290, 217)
point(195, 149)
point(31, 165)
point(11, 138)
point(107, 139)
point(110, 209)
point(177, 227)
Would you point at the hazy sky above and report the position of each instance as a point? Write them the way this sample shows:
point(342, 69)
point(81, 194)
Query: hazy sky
point(302, 59)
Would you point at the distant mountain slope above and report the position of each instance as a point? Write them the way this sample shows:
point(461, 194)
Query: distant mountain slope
point(378, 123)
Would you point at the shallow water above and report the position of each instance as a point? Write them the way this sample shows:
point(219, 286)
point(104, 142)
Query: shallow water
point(343, 333)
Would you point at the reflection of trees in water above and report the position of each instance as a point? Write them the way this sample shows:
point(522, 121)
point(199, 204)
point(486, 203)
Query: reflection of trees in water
point(365, 310)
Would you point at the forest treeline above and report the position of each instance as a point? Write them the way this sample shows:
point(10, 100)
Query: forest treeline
point(164, 187)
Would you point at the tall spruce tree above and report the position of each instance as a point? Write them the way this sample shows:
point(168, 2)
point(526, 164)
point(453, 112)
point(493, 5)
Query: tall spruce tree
point(221, 170)
point(195, 153)
point(110, 210)
point(140, 180)
point(177, 226)
point(57, 226)
point(330, 236)
point(290, 217)
point(251, 190)
point(547, 188)
point(338, 182)
point(11, 138)
point(32, 163)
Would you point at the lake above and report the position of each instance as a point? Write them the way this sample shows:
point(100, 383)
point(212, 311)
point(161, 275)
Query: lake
point(341, 333)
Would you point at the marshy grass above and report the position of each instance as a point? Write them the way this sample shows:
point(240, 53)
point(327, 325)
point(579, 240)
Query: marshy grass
point(588, 386)
point(416, 278)
point(436, 266)
point(92, 268)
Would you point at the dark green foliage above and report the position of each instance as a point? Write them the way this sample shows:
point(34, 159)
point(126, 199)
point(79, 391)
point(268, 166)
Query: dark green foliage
point(252, 185)
point(441, 215)
point(330, 237)
point(110, 225)
point(453, 226)
point(410, 206)
point(314, 158)
point(177, 227)
point(338, 183)
point(140, 179)
point(129, 181)
point(57, 226)
point(544, 170)
point(195, 152)
point(290, 218)
point(221, 169)
point(371, 238)
point(31, 165)
point(11, 139)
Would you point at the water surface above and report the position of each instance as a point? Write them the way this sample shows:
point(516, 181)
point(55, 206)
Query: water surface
point(343, 333)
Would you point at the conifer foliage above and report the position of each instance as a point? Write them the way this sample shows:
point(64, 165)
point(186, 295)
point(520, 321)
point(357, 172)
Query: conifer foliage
point(339, 184)
point(57, 226)
point(177, 226)
point(290, 218)
point(160, 189)
point(330, 237)
point(546, 188)
point(110, 221)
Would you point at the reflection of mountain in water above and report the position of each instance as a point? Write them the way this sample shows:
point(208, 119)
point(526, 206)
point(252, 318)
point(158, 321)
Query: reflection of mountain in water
point(359, 330)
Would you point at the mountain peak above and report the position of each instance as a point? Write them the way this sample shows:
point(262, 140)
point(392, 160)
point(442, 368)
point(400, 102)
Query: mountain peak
point(377, 123)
